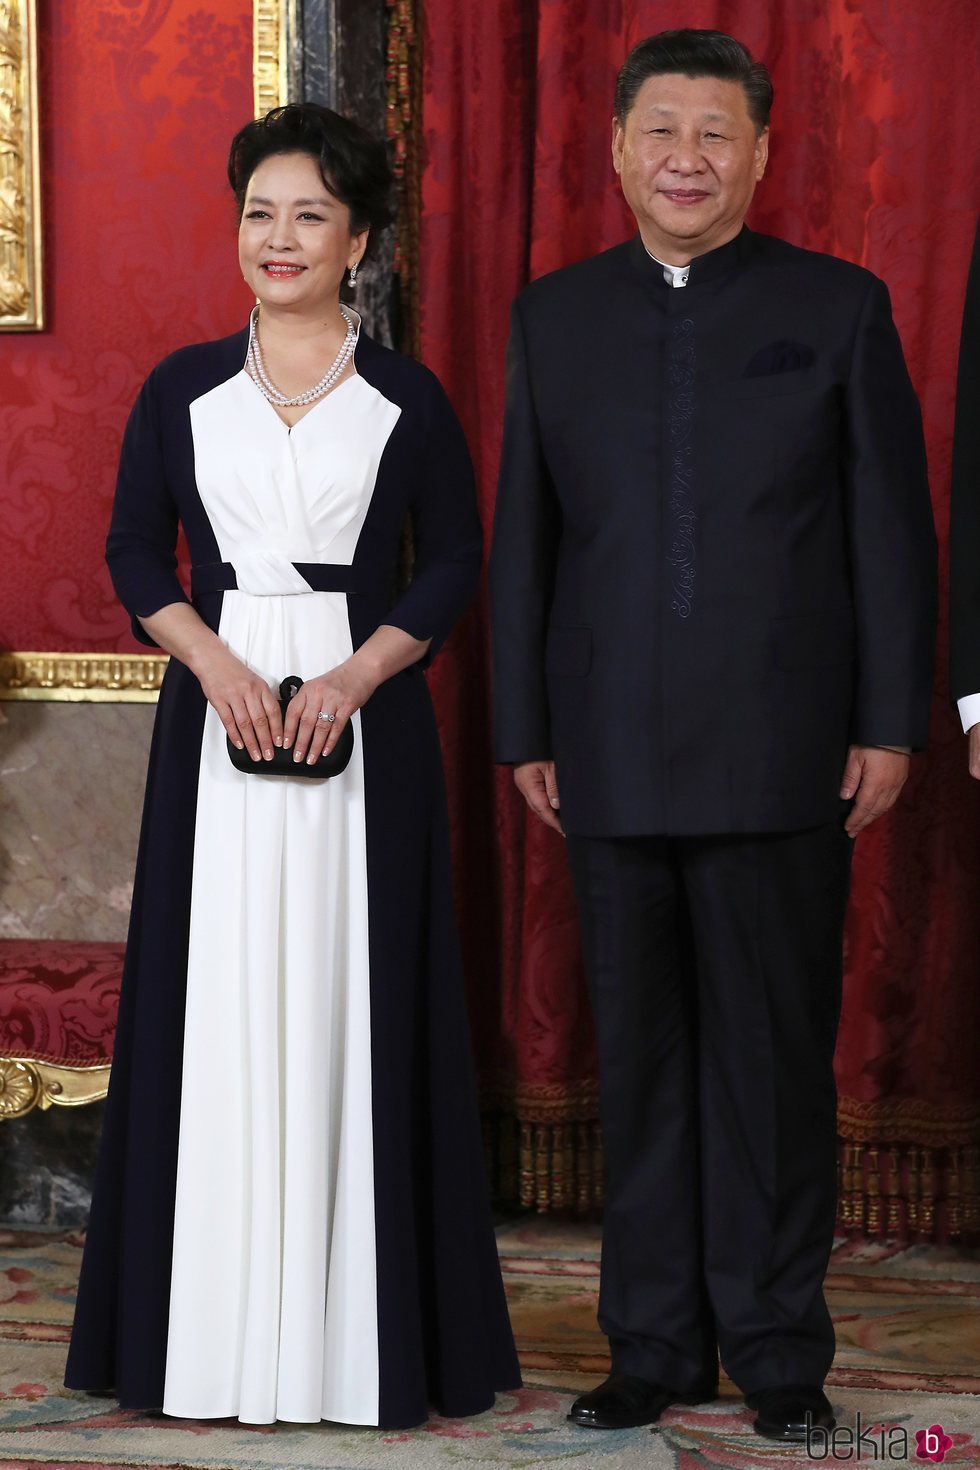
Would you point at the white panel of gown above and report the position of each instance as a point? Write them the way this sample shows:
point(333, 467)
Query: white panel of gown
point(273, 1311)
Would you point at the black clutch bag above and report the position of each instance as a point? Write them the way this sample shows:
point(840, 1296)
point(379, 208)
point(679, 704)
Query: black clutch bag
point(282, 762)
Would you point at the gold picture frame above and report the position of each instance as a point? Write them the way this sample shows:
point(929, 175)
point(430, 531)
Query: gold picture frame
point(273, 21)
point(21, 262)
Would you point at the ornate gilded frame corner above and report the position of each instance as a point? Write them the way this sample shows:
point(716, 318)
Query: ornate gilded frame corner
point(21, 265)
point(118, 678)
point(273, 22)
point(26, 1084)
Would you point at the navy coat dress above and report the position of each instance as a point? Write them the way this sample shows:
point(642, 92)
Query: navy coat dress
point(290, 1217)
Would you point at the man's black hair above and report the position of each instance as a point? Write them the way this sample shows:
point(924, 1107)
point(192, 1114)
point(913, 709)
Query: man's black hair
point(695, 54)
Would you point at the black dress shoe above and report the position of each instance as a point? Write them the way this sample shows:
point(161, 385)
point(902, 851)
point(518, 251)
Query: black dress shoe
point(625, 1403)
point(787, 1412)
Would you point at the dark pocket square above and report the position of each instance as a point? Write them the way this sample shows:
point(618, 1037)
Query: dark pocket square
point(780, 357)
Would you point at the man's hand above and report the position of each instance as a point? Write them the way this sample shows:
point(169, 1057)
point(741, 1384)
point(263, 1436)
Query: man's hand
point(876, 776)
point(973, 745)
point(535, 780)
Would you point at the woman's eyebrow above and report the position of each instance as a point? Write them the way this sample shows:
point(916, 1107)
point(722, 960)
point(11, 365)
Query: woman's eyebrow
point(323, 200)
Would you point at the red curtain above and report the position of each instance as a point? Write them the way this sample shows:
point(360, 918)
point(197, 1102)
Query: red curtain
point(873, 158)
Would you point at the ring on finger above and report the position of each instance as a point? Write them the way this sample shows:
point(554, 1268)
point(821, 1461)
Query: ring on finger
point(325, 716)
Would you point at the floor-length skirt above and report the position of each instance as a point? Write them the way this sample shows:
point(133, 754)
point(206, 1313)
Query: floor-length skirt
point(290, 1216)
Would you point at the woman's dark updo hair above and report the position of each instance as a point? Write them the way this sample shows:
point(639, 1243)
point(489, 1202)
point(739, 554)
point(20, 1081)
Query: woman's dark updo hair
point(353, 165)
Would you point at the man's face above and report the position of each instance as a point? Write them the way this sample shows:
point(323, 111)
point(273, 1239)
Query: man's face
point(688, 158)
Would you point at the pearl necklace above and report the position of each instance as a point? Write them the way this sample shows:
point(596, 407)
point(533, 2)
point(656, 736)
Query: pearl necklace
point(264, 383)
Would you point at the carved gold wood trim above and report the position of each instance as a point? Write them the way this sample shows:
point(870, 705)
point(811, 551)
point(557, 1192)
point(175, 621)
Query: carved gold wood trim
point(117, 678)
point(21, 275)
point(26, 1084)
point(270, 58)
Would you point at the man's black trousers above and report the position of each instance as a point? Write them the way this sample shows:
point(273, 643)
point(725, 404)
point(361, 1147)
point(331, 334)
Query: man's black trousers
point(714, 968)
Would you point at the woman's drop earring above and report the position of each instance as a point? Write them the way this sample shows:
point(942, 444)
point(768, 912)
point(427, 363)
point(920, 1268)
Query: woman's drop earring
point(352, 278)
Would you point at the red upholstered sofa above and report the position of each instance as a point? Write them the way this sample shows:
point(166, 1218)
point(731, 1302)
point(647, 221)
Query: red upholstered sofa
point(58, 1004)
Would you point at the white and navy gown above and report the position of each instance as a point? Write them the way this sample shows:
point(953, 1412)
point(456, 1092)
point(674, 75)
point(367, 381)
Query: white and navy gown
point(290, 1218)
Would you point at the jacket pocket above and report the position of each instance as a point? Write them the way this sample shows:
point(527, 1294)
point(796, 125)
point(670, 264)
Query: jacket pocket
point(813, 640)
point(569, 652)
point(773, 385)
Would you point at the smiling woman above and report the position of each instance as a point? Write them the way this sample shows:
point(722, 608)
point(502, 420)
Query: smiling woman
point(301, 272)
point(293, 940)
point(310, 185)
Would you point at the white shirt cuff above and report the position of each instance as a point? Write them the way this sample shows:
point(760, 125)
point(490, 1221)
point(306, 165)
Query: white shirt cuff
point(969, 708)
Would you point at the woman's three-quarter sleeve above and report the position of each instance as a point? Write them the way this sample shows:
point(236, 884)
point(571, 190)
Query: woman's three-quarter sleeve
point(448, 537)
point(142, 540)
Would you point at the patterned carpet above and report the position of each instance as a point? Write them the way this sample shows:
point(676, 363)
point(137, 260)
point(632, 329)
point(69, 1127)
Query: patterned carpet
point(908, 1326)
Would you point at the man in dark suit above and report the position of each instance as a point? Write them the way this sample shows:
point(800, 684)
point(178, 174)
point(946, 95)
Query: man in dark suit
point(713, 586)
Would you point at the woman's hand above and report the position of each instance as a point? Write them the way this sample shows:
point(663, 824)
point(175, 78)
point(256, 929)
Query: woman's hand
point(243, 701)
point(340, 692)
point(246, 705)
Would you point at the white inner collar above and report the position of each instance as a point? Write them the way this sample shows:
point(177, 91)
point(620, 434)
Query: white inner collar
point(674, 275)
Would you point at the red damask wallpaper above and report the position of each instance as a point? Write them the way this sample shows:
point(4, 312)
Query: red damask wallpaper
point(139, 100)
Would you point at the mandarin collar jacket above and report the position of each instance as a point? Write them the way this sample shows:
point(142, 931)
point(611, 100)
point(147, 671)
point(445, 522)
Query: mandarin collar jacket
point(714, 562)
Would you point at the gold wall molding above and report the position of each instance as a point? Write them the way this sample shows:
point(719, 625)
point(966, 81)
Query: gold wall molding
point(117, 678)
point(272, 22)
point(21, 274)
